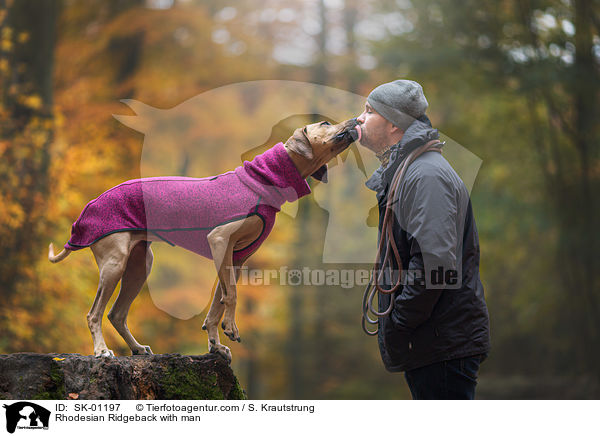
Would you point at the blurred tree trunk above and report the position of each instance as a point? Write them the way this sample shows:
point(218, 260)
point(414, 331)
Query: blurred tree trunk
point(296, 346)
point(350, 19)
point(305, 252)
point(26, 134)
point(252, 376)
point(321, 307)
point(587, 140)
point(320, 74)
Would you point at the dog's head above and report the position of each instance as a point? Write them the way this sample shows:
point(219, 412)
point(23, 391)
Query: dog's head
point(318, 143)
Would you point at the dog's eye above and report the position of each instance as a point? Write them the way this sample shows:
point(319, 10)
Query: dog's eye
point(325, 123)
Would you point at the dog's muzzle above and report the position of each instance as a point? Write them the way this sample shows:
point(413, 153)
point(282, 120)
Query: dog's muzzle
point(352, 133)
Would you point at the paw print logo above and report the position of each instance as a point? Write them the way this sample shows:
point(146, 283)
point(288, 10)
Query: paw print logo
point(294, 277)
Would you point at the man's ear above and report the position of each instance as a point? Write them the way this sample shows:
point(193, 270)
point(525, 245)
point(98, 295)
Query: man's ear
point(394, 128)
point(321, 174)
point(300, 144)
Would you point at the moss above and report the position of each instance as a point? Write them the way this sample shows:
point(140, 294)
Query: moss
point(55, 389)
point(186, 384)
point(237, 393)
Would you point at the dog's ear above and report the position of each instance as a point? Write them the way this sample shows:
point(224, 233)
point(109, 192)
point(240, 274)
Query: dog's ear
point(300, 144)
point(321, 174)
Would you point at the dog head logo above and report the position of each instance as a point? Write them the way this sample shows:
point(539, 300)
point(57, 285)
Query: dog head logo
point(215, 131)
point(26, 415)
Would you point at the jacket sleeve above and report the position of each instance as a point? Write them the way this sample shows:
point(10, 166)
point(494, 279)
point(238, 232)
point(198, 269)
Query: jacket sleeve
point(427, 211)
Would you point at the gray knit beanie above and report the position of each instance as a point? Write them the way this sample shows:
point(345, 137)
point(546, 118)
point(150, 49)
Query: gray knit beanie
point(400, 102)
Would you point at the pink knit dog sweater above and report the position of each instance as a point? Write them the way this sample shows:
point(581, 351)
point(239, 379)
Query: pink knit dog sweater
point(183, 210)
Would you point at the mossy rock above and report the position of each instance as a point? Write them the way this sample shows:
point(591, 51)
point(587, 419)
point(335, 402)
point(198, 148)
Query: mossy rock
point(183, 380)
point(170, 376)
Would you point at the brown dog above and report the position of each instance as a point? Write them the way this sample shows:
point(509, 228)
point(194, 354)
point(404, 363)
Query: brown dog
point(126, 256)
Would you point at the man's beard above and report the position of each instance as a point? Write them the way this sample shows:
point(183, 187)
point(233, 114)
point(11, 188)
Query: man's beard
point(368, 142)
point(365, 140)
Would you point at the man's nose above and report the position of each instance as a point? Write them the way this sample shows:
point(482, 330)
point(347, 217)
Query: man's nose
point(361, 119)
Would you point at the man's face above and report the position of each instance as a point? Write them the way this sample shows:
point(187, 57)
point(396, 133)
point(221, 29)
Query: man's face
point(375, 129)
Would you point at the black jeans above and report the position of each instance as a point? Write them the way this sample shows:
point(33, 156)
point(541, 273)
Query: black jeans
point(447, 380)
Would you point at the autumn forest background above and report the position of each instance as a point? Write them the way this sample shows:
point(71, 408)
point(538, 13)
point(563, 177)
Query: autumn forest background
point(516, 82)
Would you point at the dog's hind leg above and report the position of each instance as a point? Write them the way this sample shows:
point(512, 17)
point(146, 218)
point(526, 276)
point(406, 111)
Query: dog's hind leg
point(211, 325)
point(136, 272)
point(111, 255)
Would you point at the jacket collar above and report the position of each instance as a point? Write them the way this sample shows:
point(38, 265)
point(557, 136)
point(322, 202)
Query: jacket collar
point(418, 133)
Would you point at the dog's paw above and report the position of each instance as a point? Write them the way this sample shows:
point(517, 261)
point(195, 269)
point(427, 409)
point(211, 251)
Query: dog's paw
point(220, 349)
point(231, 331)
point(104, 353)
point(145, 350)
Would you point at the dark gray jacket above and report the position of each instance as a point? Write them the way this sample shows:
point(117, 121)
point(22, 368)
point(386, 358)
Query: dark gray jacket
point(440, 312)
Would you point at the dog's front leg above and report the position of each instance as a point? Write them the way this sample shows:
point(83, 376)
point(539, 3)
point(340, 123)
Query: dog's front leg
point(222, 241)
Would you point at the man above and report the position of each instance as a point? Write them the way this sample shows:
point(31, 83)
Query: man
point(438, 329)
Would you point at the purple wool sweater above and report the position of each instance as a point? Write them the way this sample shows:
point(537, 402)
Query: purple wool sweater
point(183, 210)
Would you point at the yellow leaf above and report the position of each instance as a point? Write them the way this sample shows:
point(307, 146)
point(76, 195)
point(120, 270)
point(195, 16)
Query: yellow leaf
point(59, 359)
point(6, 44)
point(32, 101)
point(23, 37)
point(7, 32)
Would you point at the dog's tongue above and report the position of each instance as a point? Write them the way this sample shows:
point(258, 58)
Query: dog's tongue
point(355, 133)
point(359, 132)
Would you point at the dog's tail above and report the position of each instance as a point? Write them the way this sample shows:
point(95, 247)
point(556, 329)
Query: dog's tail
point(60, 256)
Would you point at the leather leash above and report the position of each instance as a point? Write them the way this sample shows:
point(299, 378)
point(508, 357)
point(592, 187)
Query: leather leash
point(373, 288)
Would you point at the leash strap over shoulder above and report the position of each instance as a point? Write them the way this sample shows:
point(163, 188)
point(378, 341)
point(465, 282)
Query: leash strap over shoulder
point(387, 243)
